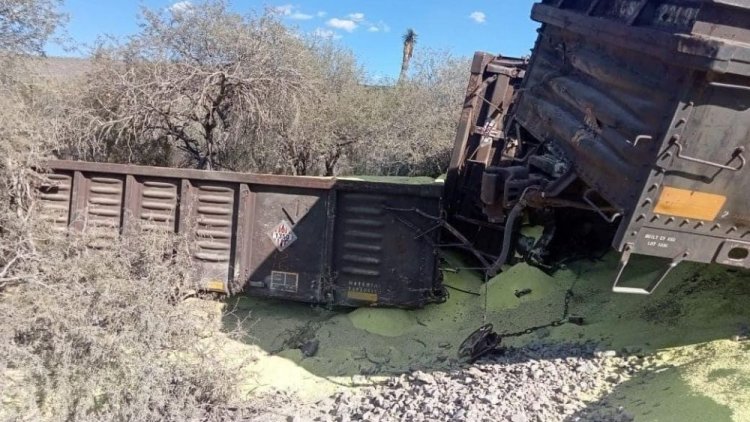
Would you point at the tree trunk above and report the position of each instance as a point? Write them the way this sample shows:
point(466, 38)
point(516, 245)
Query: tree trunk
point(405, 59)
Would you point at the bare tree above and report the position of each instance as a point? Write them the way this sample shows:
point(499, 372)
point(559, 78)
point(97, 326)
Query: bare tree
point(26, 25)
point(208, 88)
point(108, 335)
point(200, 81)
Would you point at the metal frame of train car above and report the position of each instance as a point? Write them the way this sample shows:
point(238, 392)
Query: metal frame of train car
point(637, 113)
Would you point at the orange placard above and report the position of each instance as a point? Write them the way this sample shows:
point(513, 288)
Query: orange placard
point(689, 203)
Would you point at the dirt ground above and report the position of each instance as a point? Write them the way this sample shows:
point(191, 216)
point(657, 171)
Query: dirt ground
point(691, 330)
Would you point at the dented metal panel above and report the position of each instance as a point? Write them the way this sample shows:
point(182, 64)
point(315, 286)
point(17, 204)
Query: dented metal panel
point(319, 240)
point(650, 97)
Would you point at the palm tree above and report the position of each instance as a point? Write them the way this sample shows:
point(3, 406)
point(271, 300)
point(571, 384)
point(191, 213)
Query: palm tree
point(410, 38)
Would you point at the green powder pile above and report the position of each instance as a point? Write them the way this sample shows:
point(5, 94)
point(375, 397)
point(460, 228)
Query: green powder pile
point(686, 325)
point(384, 322)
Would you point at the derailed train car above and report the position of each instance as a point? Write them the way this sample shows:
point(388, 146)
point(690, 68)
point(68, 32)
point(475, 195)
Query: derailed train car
point(628, 125)
point(311, 239)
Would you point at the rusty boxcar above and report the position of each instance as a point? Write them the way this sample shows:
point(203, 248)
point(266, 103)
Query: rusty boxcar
point(319, 240)
point(635, 113)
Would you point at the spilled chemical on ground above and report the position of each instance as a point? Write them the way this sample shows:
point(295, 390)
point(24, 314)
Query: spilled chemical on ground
point(688, 334)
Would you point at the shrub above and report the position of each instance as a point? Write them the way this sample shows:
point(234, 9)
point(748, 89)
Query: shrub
point(85, 333)
point(106, 334)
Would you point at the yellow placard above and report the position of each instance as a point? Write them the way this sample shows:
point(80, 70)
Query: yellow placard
point(689, 203)
point(215, 285)
point(368, 297)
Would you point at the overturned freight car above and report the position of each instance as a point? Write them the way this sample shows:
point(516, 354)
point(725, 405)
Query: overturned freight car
point(629, 125)
point(310, 239)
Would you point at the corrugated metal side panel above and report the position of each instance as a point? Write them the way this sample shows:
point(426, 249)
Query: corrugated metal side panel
point(213, 225)
point(102, 213)
point(359, 249)
point(156, 206)
point(55, 200)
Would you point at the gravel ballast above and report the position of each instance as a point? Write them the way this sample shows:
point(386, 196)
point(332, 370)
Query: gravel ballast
point(536, 383)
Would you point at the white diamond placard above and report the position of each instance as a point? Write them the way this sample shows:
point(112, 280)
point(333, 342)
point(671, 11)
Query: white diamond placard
point(282, 235)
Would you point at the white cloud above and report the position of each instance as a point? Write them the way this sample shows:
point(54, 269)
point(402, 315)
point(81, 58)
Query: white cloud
point(292, 12)
point(378, 27)
point(354, 20)
point(300, 16)
point(181, 7)
point(326, 34)
point(356, 17)
point(347, 25)
point(321, 14)
point(478, 17)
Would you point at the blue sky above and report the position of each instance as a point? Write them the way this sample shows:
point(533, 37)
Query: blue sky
point(371, 28)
